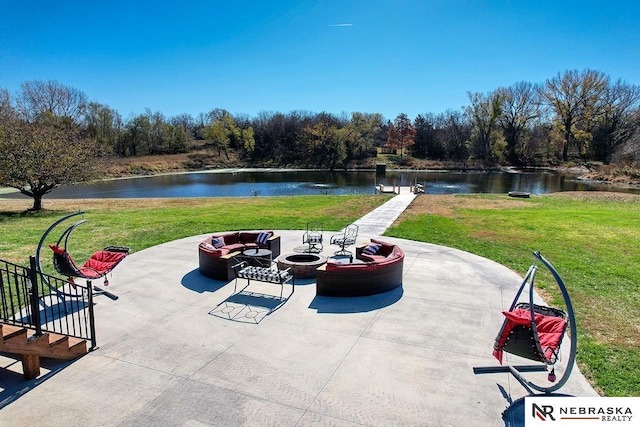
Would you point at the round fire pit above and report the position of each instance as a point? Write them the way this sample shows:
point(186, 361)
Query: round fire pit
point(303, 265)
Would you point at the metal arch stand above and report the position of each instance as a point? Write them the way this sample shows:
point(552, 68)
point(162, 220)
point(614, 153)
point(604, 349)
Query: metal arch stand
point(517, 371)
point(58, 292)
point(65, 235)
point(573, 331)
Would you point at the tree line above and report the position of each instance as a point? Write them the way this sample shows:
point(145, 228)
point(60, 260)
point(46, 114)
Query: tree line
point(574, 115)
point(582, 115)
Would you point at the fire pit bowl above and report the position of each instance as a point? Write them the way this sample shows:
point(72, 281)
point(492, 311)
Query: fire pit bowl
point(303, 265)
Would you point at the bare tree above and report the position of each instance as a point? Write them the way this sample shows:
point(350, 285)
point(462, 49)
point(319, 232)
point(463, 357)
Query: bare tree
point(520, 107)
point(615, 124)
point(628, 153)
point(186, 121)
point(574, 97)
point(6, 108)
point(483, 114)
point(104, 125)
point(38, 99)
point(426, 144)
point(156, 132)
point(456, 132)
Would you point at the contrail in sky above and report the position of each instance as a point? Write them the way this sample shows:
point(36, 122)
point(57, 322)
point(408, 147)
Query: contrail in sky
point(341, 25)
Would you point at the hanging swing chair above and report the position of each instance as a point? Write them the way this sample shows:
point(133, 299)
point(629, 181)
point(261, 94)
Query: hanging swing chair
point(97, 266)
point(536, 332)
point(532, 331)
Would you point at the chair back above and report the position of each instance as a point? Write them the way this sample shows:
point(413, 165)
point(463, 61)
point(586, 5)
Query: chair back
point(314, 231)
point(351, 231)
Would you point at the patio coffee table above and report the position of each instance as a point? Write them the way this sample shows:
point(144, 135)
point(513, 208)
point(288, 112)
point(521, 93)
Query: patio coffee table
point(345, 259)
point(257, 257)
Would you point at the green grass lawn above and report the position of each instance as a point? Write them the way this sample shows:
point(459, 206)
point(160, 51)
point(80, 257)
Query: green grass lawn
point(141, 223)
point(592, 242)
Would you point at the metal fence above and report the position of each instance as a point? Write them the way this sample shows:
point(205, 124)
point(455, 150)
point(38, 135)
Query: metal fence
point(46, 303)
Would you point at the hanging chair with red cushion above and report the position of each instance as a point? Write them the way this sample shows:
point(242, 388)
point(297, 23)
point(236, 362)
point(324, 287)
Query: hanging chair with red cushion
point(97, 266)
point(535, 332)
point(534, 335)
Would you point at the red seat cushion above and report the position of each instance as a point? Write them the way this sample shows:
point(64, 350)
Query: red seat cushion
point(550, 330)
point(101, 263)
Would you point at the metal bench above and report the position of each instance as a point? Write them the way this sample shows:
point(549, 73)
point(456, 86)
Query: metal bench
point(271, 274)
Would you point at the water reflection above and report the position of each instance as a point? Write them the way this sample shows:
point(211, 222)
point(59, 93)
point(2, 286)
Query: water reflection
point(287, 183)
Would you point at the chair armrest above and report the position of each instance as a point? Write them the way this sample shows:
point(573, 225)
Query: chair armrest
point(230, 255)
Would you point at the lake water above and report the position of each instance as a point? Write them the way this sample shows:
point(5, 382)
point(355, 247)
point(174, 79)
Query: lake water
point(245, 183)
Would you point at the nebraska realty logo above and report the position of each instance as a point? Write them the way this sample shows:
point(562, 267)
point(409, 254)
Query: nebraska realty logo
point(581, 411)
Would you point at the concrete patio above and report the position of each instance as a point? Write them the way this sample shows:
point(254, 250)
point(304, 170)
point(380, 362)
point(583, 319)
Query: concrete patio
point(178, 349)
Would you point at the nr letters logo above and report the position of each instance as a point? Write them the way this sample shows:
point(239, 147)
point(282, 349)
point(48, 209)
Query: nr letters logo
point(542, 412)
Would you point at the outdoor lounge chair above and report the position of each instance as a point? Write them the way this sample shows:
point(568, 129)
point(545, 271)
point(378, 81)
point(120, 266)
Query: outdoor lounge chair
point(535, 337)
point(344, 239)
point(97, 266)
point(535, 332)
point(313, 237)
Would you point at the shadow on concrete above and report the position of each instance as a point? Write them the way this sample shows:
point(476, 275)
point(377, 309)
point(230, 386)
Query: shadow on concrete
point(198, 283)
point(248, 307)
point(12, 383)
point(305, 282)
point(344, 305)
point(54, 312)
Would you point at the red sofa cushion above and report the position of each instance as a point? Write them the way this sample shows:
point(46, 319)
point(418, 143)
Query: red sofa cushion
point(385, 248)
point(372, 258)
point(229, 238)
point(387, 254)
point(233, 247)
point(248, 237)
point(234, 241)
point(208, 248)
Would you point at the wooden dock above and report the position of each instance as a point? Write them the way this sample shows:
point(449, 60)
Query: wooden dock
point(396, 189)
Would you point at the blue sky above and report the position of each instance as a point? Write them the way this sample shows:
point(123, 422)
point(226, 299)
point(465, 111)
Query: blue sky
point(371, 56)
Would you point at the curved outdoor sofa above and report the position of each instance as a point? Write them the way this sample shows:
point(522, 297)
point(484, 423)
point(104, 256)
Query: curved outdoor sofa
point(216, 254)
point(368, 274)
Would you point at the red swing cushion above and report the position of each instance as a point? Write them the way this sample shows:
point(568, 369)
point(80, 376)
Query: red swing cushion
point(550, 330)
point(101, 263)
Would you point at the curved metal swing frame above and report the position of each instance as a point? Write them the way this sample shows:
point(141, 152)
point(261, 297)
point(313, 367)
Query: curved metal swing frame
point(64, 235)
point(75, 272)
point(517, 371)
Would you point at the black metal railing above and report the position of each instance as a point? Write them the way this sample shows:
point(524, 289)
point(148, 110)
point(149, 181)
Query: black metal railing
point(46, 303)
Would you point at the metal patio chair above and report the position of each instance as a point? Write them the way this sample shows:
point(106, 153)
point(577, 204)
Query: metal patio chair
point(313, 237)
point(346, 238)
